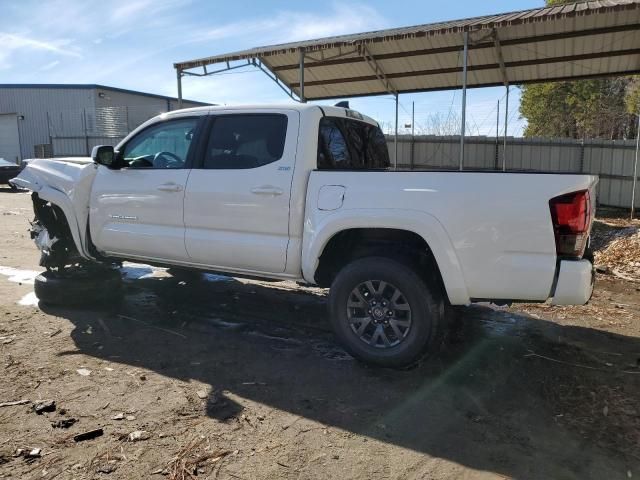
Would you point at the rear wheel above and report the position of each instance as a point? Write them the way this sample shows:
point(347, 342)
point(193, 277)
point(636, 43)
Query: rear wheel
point(76, 286)
point(385, 313)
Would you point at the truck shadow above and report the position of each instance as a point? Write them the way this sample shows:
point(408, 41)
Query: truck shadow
point(488, 401)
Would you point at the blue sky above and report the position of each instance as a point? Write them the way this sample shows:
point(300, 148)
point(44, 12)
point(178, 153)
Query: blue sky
point(133, 44)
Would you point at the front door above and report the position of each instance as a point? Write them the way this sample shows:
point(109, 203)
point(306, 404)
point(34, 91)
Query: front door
point(237, 200)
point(137, 208)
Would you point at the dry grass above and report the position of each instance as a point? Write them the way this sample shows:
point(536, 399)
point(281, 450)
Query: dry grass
point(617, 247)
point(193, 456)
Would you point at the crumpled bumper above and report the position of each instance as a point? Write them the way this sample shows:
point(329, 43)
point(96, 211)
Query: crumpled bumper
point(575, 282)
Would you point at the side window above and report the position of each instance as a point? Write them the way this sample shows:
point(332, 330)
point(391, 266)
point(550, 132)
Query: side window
point(164, 145)
point(332, 147)
point(245, 141)
point(345, 143)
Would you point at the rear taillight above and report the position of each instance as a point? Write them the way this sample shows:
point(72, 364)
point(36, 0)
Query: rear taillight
point(571, 216)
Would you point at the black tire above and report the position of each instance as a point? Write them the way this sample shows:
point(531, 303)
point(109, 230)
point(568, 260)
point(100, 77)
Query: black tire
point(78, 287)
point(426, 312)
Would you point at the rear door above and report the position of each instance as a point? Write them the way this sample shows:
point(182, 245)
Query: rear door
point(137, 209)
point(237, 200)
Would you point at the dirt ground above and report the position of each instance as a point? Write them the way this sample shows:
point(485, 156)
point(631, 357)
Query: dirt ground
point(236, 379)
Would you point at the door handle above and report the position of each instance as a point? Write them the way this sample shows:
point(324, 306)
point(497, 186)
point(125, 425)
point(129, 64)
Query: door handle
point(170, 187)
point(267, 190)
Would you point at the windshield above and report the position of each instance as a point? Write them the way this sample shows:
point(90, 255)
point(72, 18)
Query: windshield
point(6, 163)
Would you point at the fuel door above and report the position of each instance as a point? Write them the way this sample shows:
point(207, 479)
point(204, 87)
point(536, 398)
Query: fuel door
point(331, 197)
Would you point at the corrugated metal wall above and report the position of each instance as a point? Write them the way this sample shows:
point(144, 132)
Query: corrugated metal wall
point(136, 108)
point(73, 120)
point(34, 103)
point(611, 160)
point(115, 115)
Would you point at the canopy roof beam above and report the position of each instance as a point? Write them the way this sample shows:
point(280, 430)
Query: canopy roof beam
point(206, 73)
point(349, 54)
point(378, 72)
point(251, 62)
point(262, 65)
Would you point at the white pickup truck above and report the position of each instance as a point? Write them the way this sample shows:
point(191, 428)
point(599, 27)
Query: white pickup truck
point(305, 193)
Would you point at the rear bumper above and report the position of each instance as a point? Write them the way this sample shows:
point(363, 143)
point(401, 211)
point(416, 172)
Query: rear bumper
point(575, 282)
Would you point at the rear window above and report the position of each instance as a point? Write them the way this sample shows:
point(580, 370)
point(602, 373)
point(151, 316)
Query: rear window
point(346, 144)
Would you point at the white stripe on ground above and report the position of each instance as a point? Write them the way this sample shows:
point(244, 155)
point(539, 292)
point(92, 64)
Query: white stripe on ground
point(19, 276)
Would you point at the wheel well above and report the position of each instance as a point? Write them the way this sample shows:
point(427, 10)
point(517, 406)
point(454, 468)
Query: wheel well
point(403, 245)
point(52, 217)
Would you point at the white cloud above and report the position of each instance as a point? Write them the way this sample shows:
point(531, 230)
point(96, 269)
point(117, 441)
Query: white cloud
point(16, 46)
point(147, 10)
point(50, 65)
point(129, 10)
point(289, 26)
point(133, 43)
point(11, 42)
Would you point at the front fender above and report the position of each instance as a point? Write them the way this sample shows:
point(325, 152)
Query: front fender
point(67, 185)
point(318, 233)
point(61, 200)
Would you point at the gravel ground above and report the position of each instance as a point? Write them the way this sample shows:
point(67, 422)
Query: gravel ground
point(237, 379)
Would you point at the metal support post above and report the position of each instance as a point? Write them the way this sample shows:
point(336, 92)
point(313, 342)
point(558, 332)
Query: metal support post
point(395, 138)
point(302, 99)
point(635, 172)
point(413, 132)
point(497, 159)
point(179, 74)
point(464, 96)
point(506, 126)
point(86, 132)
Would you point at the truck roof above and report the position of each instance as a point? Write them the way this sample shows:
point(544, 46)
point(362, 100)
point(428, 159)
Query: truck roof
point(328, 110)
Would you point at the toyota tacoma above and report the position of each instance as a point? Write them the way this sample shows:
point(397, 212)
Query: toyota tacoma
point(306, 193)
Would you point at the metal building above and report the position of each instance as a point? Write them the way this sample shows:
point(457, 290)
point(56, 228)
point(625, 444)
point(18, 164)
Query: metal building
point(45, 120)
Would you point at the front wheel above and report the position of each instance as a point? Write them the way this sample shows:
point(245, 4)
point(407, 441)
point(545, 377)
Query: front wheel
point(76, 286)
point(384, 312)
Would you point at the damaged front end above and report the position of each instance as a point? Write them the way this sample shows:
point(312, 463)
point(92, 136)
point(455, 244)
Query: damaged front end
point(61, 193)
point(52, 235)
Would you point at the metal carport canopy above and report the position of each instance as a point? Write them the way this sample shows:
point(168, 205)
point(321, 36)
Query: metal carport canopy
point(571, 41)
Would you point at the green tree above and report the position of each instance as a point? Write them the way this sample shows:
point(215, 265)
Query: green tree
point(601, 108)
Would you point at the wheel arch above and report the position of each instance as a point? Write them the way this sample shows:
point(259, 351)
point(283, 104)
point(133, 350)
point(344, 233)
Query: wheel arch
point(410, 224)
point(60, 200)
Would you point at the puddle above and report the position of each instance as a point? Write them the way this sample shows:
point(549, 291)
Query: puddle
point(212, 277)
point(137, 271)
point(19, 276)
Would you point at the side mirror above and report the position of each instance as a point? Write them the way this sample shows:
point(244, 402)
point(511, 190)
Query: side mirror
point(104, 155)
